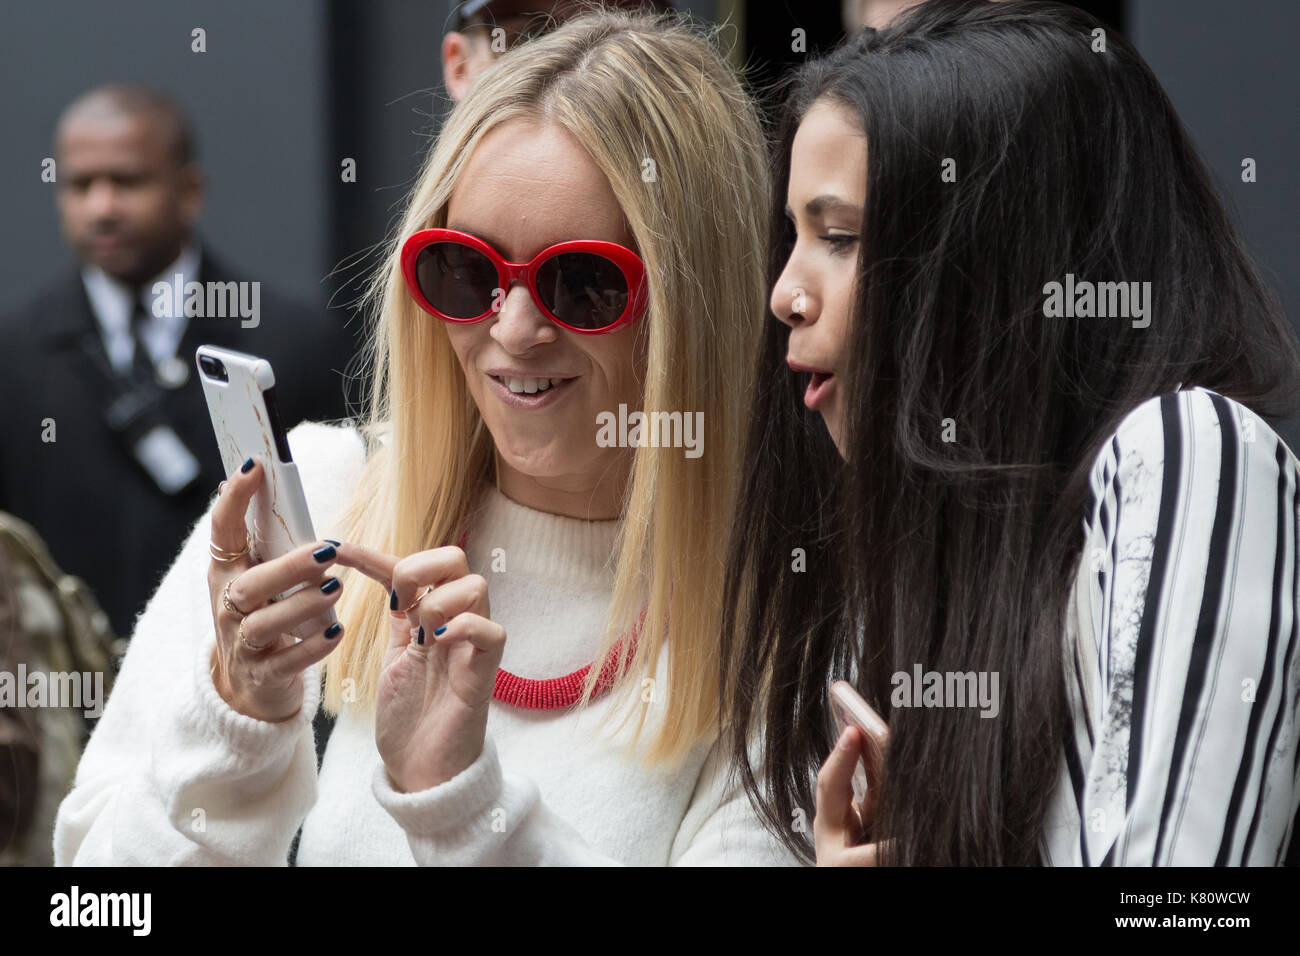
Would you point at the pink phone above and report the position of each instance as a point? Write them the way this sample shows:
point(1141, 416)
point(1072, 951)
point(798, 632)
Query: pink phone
point(848, 707)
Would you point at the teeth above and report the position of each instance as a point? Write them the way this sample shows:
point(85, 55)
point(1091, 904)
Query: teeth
point(529, 386)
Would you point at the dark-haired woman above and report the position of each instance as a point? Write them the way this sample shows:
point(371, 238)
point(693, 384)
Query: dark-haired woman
point(1043, 367)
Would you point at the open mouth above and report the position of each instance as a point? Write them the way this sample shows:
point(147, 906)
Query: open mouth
point(818, 386)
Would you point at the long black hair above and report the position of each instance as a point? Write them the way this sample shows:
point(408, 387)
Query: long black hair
point(958, 555)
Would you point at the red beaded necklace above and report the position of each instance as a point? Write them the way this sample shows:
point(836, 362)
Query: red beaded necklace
point(555, 693)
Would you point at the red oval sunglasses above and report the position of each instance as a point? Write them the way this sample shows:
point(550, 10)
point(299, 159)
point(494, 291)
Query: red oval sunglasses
point(584, 285)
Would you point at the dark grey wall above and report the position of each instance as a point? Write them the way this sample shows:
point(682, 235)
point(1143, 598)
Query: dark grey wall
point(255, 98)
point(387, 99)
point(1233, 72)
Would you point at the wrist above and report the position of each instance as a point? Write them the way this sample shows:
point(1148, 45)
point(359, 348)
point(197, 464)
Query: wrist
point(413, 779)
point(451, 811)
point(407, 782)
point(248, 708)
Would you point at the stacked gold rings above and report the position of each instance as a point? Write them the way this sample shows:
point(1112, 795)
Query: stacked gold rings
point(225, 557)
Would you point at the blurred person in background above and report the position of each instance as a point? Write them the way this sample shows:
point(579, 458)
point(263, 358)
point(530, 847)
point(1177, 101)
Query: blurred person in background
point(470, 48)
point(109, 452)
point(50, 625)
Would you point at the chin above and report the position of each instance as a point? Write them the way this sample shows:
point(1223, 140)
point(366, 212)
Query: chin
point(537, 461)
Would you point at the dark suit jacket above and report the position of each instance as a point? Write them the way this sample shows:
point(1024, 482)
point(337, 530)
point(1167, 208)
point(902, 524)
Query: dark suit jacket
point(102, 516)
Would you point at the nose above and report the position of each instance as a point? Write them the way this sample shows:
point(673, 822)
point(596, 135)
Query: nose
point(520, 325)
point(794, 300)
point(101, 199)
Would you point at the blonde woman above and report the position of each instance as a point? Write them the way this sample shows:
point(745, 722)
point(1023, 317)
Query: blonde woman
point(527, 670)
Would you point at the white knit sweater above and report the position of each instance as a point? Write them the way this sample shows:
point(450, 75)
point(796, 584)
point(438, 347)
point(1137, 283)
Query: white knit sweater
point(174, 775)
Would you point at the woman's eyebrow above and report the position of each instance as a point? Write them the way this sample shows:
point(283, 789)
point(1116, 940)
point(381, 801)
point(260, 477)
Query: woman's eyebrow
point(824, 204)
point(478, 235)
point(830, 203)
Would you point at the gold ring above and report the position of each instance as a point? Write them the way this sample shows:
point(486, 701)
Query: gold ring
point(226, 600)
point(224, 556)
point(252, 647)
point(417, 600)
point(247, 540)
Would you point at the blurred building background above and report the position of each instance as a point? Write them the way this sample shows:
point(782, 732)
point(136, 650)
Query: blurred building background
point(286, 91)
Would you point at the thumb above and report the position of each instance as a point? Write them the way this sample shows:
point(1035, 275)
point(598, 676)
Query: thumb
point(228, 529)
point(401, 632)
point(835, 810)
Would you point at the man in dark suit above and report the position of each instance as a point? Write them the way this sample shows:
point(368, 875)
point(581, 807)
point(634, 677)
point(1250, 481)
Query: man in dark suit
point(106, 448)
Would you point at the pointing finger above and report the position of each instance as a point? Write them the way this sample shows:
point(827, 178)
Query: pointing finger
point(371, 562)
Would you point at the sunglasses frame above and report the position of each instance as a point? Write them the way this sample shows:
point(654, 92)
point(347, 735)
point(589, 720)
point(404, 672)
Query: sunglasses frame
point(627, 261)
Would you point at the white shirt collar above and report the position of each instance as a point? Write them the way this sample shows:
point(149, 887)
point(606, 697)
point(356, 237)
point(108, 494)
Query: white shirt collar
point(110, 301)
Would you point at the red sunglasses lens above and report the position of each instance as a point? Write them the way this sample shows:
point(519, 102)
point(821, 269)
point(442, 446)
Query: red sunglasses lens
point(583, 289)
point(456, 279)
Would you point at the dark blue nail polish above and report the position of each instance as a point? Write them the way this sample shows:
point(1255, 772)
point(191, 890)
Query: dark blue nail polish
point(324, 554)
point(392, 603)
point(419, 639)
point(333, 631)
point(337, 544)
point(439, 631)
point(330, 586)
point(246, 466)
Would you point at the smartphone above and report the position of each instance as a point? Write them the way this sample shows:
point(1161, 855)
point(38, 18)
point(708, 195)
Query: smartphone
point(848, 708)
point(240, 391)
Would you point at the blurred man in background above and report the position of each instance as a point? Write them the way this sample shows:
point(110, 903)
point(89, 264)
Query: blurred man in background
point(108, 451)
point(484, 29)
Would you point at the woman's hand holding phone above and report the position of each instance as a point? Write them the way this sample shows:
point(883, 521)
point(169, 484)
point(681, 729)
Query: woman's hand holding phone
point(842, 822)
point(257, 663)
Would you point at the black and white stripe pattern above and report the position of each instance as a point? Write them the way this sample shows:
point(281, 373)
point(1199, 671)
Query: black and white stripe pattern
point(1181, 653)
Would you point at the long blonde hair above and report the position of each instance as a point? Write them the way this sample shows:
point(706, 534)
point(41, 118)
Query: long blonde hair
point(641, 94)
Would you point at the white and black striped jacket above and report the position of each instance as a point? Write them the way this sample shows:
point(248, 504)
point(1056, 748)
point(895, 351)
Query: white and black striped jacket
point(1181, 655)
